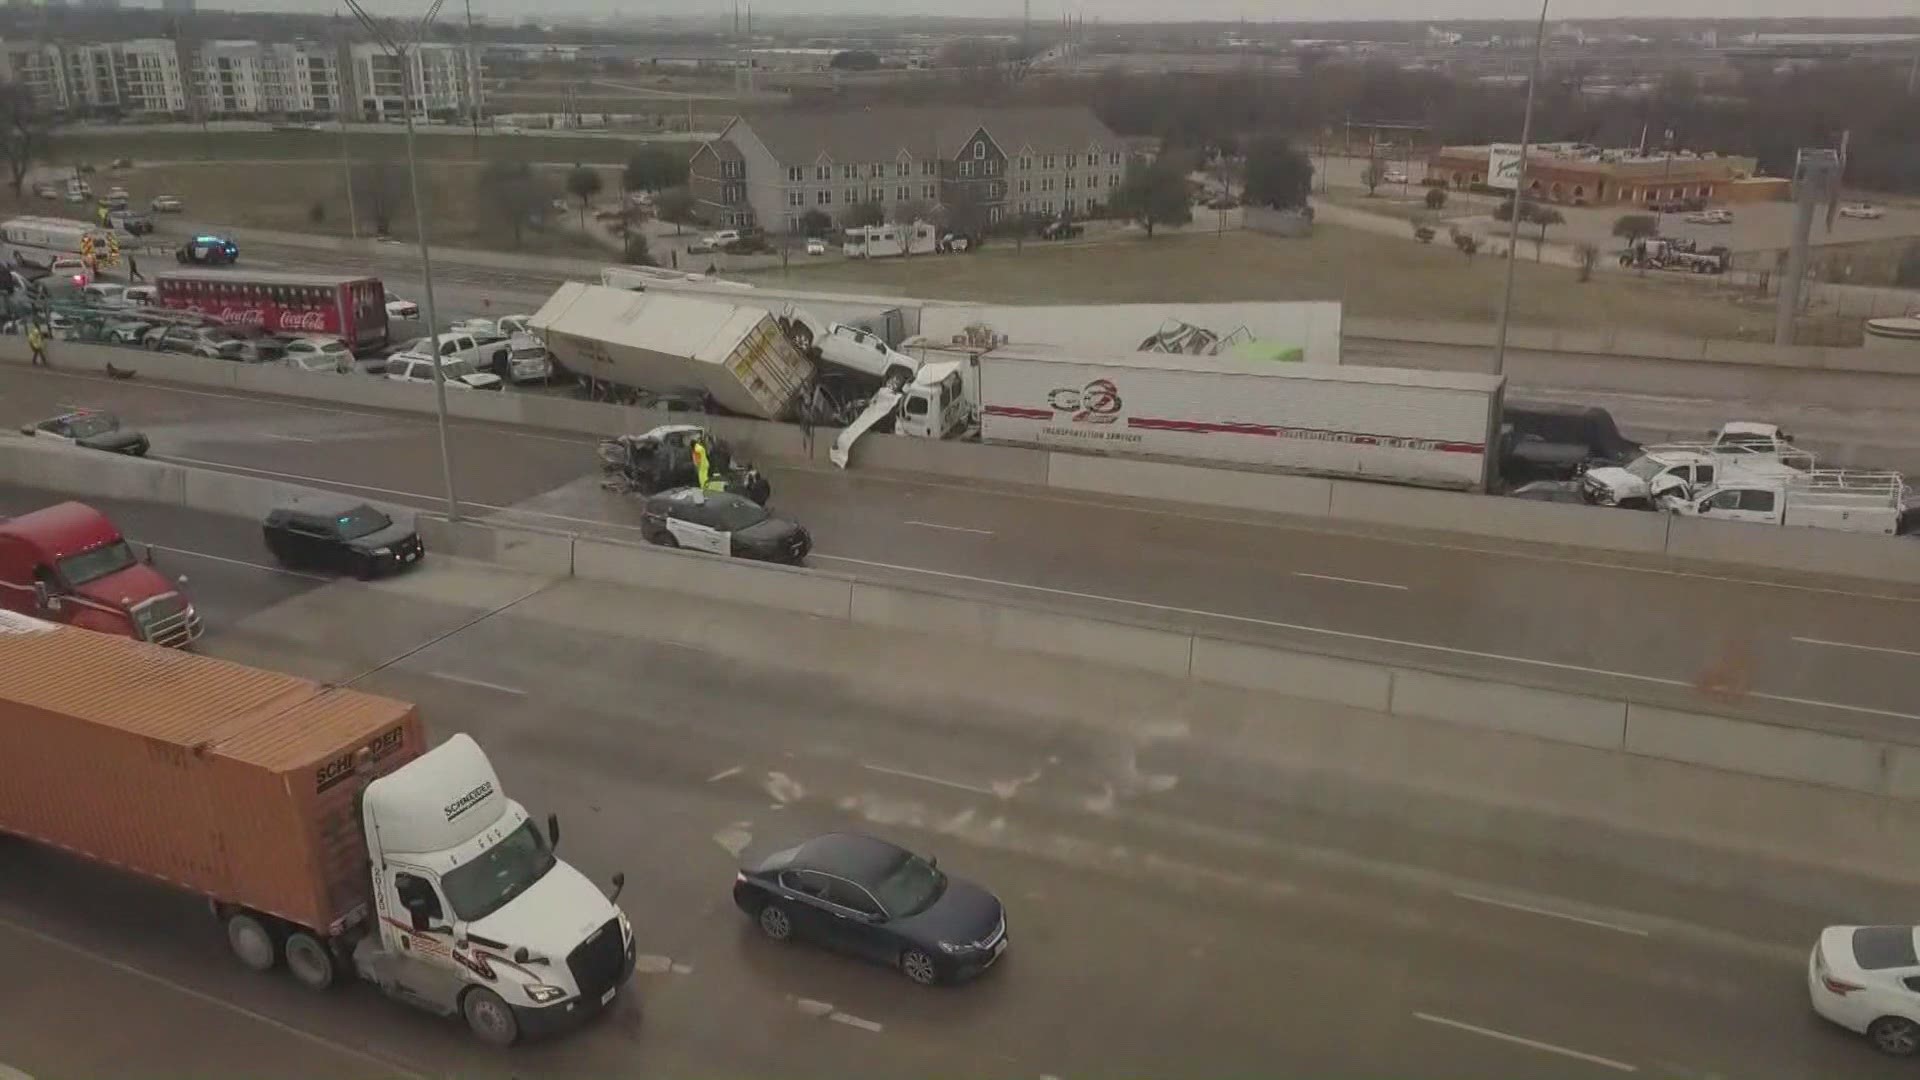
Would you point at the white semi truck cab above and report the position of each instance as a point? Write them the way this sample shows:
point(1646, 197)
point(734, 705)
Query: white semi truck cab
point(474, 914)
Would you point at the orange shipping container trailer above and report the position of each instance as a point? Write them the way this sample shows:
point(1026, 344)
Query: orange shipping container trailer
point(227, 781)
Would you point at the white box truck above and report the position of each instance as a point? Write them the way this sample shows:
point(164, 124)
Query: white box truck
point(1432, 429)
point(736, 354)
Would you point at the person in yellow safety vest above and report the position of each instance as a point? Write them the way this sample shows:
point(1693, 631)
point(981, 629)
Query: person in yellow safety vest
point(700, 463)
point(37, 342)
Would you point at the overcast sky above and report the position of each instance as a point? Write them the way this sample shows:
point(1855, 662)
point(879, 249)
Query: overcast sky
point(1159, 10)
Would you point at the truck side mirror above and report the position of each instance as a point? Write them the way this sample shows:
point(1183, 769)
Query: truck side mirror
point(553, 830)
point(43, 596)
point(619, 883)
point(146, 555)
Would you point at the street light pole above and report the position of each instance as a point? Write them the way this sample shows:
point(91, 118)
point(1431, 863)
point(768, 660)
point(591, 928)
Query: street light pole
point(401, 52)
point(1519, 195)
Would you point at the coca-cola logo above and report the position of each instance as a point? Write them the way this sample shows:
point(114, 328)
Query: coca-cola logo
point(243, 316)
point(303, 320)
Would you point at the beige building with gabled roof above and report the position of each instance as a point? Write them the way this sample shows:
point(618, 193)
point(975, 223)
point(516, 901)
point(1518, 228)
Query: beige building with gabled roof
point(770, 168)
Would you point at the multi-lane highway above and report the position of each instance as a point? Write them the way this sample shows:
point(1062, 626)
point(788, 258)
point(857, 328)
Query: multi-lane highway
point(1838, 653)
point(1164, 920)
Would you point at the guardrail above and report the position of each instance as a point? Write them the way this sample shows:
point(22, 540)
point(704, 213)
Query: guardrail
point(1318, 499)
point(1867, 766)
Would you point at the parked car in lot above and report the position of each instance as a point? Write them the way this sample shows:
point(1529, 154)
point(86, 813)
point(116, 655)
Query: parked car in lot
point(340, 535)
point(318, 353)
point(816, 246)
point(46, 191)
point(166, 204)
point(875, 901)
point(401, 309)
point(1394, 176)
point(1710, 217)
point(722, 523)
point(1867, 980)
point(92, 429)
point(416, 367)
point(1061, 230)
point(208, 251)
point(1865, 211)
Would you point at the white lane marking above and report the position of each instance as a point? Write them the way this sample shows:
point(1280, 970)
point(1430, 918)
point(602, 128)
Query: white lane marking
point(647, 964)
point(8, 1072)
point(854, 1021)
point(238, 562)
point(1535, 1044)
point(288, 438)
point(811, 1007)
point(951, 528)
point(723, 774)
point(1862, 648)
point(464, 680)
point(1349, 635)
point(344, 1050)
point(734, 838)
point(1349, 581)
point(924, 778)
point(1551, 914)
point(783, 788)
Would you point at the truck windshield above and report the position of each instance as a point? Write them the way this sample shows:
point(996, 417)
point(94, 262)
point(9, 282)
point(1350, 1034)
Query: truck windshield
point(501, 873)
point(93, 565)
point(1646, 467)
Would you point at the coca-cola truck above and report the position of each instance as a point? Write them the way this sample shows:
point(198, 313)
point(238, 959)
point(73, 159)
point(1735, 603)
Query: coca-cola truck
point(351, 308)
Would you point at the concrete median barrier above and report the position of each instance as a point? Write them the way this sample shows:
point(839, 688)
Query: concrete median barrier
point(1903, 772)
point(1299, 675)
point(1816, 551)
point(1488, 515)
point(1305, 496)
point(1742, 746)
point(1005, 626)
point(971, 461)
point(1519, 710)
point(521, 549)
point(60, 467)
point(811, 592)
point(234, 495)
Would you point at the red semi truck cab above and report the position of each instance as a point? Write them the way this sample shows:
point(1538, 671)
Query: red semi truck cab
point(69, 564)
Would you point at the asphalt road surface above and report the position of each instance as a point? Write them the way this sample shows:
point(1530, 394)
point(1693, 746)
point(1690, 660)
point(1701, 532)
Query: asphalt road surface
point(1840, 654)
point(1141, 946)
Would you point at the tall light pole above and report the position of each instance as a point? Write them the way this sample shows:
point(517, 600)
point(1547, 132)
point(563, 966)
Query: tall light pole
point(1519, 196)
point(402, 51)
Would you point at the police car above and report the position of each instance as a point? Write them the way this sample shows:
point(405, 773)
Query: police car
point(209, 250)
point(722, 523)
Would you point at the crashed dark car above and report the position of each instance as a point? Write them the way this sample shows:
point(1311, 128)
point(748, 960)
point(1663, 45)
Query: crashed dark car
point(1550, 441)
point(93, 430)
point(721, 523)
point(341, 535)
point(878, 902)
point(663, 458)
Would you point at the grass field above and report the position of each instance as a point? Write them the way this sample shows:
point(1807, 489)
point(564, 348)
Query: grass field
point(1373, 275)
point(282, 195)
point(443, 143)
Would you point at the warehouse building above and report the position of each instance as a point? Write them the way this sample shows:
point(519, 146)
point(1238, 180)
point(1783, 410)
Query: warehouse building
point(1581, 175)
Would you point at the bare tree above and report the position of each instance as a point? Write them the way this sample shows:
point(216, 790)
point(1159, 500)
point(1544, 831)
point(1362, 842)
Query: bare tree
point(24, 135)
point(1373, 175)
point(1585, 255)
point(378, 190)
point(675, 205)
point(583, 183)
point(511, 190)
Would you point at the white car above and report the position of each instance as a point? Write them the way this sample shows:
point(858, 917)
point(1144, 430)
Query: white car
point(1395, 176)
point(106, 294)
point(1862, 210)
point(70, 266)
point(1710, 217)
point(319, 353)
point(166, 204)
point(401, 309)
point(413, 367)
point(1867, 980)
point(522, 358)
point(141, 296)
point(816, 246)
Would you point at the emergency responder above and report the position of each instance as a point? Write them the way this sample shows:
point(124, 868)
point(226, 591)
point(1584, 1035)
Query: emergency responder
point(37, 341)
point(700, 463)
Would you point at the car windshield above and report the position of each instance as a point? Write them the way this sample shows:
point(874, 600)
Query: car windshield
point(87, 427)
point(455, 369)
point(910, 887)
point(733, 514)
point(362, 520)
point(499, 874)
point(1646, 467)
point(93, 565)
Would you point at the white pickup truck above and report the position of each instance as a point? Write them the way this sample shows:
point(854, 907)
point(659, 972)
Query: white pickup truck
point(1844, 499)
point(1740, 447)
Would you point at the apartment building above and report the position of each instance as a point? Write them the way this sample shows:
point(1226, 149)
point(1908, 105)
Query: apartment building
point(229, 78)
point(770, 168)
point(436, 80)
point(151, 78)
point(40, 68)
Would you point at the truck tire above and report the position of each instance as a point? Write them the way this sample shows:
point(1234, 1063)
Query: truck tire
point(309, 961)
point(252, 943)
point(489, 1018)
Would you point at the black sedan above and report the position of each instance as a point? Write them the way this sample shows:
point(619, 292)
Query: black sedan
point(878, 902)
point(335, 533)
point(722, 523)
point(92, 429)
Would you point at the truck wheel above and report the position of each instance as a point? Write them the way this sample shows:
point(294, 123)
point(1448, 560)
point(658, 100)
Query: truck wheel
point(489, 1018)
point(309, 961)
point(250, 941)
